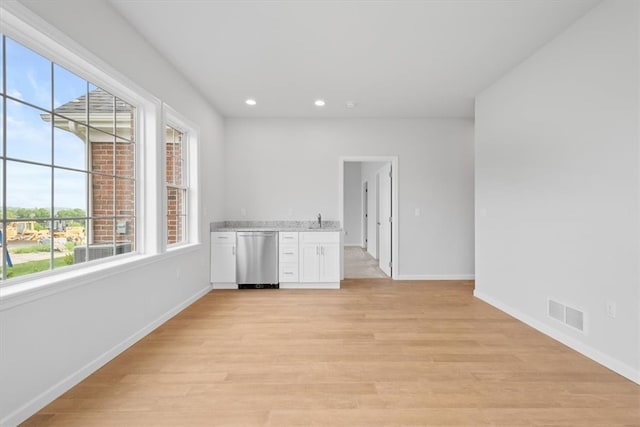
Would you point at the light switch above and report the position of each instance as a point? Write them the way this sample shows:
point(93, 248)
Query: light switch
point(417, 212)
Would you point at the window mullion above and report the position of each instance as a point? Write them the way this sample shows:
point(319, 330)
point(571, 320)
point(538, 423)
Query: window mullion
point(52, 188)
point(5, 252)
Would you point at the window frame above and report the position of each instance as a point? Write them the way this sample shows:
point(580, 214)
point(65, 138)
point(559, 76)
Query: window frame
point(31, 31)
point(190, 178)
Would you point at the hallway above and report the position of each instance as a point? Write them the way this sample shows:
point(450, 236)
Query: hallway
point(358, 264)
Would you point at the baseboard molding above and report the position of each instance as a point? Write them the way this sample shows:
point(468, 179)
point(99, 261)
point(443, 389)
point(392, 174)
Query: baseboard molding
point(586, 350)
point(28, 409)
point(435, 277)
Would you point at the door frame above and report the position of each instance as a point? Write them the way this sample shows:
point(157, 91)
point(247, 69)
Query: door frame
point(394, 200)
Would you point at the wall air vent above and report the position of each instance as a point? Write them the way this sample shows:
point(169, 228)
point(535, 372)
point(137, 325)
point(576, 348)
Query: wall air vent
point(574, 317)
point(568, 315)
point(555, 310)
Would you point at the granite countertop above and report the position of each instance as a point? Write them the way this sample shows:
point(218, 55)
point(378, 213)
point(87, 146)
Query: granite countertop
point(274, 226)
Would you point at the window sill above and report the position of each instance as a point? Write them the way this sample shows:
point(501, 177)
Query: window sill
point(41, 287)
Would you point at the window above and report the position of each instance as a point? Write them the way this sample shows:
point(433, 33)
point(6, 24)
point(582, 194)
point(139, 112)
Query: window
point(67, 166)
point(176, 182)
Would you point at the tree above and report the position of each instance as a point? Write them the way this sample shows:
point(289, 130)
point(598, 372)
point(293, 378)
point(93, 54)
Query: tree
point(76, 214)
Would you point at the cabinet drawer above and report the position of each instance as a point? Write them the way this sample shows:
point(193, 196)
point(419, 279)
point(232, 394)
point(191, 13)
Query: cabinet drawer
point(320, 237)
point(223, 237)
point(288, 272)
point(288, 253)
point(287, 237)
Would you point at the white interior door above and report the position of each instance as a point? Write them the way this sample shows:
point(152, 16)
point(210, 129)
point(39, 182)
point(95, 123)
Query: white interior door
point(365, 215)
point(384, 218)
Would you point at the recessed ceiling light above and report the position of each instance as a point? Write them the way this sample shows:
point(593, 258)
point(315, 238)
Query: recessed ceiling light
point(319, 103)
point(250, 102)
point(351, 104)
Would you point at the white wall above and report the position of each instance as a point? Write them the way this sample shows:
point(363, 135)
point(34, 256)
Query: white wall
point(352, 204)
point(48, 344)
point(274, 165)
point(557, 186)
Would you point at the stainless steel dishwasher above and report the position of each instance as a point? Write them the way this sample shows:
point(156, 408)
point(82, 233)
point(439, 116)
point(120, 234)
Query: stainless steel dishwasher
point(257, 259)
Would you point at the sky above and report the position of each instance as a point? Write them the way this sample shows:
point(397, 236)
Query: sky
point(29, 78)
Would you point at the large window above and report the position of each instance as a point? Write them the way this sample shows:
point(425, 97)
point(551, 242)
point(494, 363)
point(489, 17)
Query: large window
point(67, 167)
point(176, 183)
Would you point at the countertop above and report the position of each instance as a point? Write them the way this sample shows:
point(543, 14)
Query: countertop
point(299, 229)
point(297, 226)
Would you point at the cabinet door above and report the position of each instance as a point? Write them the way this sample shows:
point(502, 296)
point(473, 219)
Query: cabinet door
point(329, 263)
point(223, 263)
point(309, 263)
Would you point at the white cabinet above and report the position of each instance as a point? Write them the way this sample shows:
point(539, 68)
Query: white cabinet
point(320, 257)
point(288, 256)
point(223, 259)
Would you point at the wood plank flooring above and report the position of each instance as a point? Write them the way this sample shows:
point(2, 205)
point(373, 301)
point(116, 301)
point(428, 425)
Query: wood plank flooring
point(374, 353)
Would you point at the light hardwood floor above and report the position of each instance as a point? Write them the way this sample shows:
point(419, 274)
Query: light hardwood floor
point(373, 353)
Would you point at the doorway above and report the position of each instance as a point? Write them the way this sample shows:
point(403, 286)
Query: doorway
point(368, 201)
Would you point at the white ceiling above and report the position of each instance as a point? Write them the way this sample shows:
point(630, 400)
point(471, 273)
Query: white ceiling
point(394, 58)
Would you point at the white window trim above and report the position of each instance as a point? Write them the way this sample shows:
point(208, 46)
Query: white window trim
point(170, 117)
point(22, 25)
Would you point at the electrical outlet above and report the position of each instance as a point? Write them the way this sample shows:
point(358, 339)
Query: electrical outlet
point(243, 212)
point(611, 309)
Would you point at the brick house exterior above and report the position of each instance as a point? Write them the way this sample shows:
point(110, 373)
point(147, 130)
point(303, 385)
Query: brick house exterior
point(110, 137)
point(174, 178)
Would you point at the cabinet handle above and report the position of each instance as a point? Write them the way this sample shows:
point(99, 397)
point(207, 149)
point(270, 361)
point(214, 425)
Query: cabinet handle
point(222, 237)
point(288, 253)
point(288, 273)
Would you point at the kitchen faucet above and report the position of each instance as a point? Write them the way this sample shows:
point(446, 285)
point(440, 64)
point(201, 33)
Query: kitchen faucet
point(319, 221)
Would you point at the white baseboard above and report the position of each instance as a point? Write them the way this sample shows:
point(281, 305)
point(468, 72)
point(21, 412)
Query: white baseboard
point(25, 411)
point(586, 350)
point(435, 277)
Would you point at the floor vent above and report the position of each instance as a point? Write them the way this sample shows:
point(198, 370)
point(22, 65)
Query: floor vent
point(565, 314)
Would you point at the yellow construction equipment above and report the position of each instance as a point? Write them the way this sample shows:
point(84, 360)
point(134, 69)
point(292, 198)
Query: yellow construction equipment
point(22, 230)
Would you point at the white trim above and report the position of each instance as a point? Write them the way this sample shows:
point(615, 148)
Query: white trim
point(607, 361)
point(436, 277)
point(44, 398)
point(395, 247)
point(170, 117)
